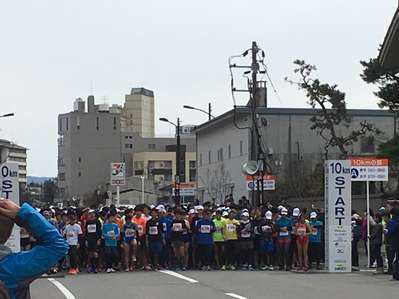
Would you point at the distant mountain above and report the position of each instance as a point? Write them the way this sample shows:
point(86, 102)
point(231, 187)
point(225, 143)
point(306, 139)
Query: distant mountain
point(38, 179)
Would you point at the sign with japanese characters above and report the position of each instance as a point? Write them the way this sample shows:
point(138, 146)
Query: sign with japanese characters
point(369, 169)
point(118, 173)
point(269, 182)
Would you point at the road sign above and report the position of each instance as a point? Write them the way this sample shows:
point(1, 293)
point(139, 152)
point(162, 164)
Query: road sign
point(9, 184)
point(118, 171)
point(369, 169)
point(338, 215)
point(185, 189)
point(269, 182)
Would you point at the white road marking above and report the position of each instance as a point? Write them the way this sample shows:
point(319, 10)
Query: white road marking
point(179, 276)
point(63, 290)
point(235, 296)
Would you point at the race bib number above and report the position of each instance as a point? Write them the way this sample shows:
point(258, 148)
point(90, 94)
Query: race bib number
point(129, 233)
point(283, 234)
point(91, 228)
point(218, 229)
point(301, 231)
point(314, 231)
point(153, 230)
point(245, 234)
point(140, 229)
point(231, 228)
point(205, 229)
point(111, 234)
point(266, 228)
point(70, 234)
point(177, 227)
point(164, 227)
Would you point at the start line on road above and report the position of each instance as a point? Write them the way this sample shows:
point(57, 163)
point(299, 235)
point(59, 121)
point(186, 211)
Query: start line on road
point(177, 275)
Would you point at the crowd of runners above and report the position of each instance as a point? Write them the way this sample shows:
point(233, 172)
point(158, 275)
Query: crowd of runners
point(210, 237)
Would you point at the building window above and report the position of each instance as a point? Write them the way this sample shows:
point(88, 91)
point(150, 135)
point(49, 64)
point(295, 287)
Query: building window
point(220, 155)
point(79, 173)
point(151, 146)
point(241, 148)
point(78, 122)
point(80, 159)
point(67, 123)
point(193, 164)
point(129, 145)
point(367, 144)
point(61, 176)
point(229, 151)
point(200, 159)
point(97, 123)
point(209, 157)
point(60, 125)
point(114, 123)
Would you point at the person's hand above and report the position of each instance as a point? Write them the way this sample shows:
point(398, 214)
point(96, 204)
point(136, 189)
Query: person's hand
point(8, 208)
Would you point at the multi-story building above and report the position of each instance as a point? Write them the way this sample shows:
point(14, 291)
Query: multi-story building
point(89, 141)
point(292, 147)
point(11, 152)
point(138, 112)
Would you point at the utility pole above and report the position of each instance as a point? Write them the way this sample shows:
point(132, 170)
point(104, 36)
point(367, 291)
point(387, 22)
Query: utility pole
point(178, 159)
point(253, 95)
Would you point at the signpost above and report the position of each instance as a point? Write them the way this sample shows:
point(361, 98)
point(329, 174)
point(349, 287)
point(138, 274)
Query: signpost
point(269, 182)
point(365, 169)
point(338, 237)
point(118, 178)
point(9, 176)
point(185, 190)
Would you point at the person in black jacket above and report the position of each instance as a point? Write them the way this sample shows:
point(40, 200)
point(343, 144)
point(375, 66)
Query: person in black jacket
point(376, 231)
point(356, 236)
point(93, 240)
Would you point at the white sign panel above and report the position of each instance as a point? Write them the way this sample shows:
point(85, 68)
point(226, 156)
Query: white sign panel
point(369, 169)
point(185, 192)
point(269, 183)
point(10, 189)
point(118, 172)
point(338, 215)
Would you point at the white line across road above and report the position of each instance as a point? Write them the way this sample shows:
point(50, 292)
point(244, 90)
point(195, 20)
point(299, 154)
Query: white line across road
point(63, 290)
point(177, 275)
point(235, 296)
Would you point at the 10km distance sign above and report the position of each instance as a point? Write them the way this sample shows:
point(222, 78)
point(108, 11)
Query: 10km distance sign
point(369, 169)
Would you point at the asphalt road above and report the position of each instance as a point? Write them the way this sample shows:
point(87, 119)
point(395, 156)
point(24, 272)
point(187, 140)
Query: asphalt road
point(216, 284)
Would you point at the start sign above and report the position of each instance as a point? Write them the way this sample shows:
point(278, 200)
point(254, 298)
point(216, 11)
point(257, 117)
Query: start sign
point(9, 184)
point(338, 215)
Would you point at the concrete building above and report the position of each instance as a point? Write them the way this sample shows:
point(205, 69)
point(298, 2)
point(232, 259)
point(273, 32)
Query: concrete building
point(88, 142)
point(138, 112)
point(91, 139)
point(11, 152)
point(294, 149)
point(389, 57)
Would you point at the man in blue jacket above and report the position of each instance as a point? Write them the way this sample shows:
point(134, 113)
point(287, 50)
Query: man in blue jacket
point(18, 270)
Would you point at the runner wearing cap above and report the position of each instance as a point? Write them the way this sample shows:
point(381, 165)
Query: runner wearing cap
point(141, 223)
point(284, 228)
point(178, 226)
point(266, 229)
point(204, 230)
point(245, 238)
point(218, 240)
point(231, 240)
point(315, 240)
point(302, 230)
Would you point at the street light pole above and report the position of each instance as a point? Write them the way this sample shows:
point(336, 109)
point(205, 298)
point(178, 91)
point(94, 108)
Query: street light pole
point(209, 112)
point(142, 189)
point(178, 159)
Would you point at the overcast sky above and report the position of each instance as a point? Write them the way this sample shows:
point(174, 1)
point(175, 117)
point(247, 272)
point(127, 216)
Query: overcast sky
point(54, 51)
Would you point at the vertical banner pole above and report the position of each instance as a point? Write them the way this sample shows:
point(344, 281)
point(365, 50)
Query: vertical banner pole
point(368, 222)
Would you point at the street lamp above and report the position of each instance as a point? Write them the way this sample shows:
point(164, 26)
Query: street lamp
point(209, 112)
point(7, 115)
point(177, 178)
